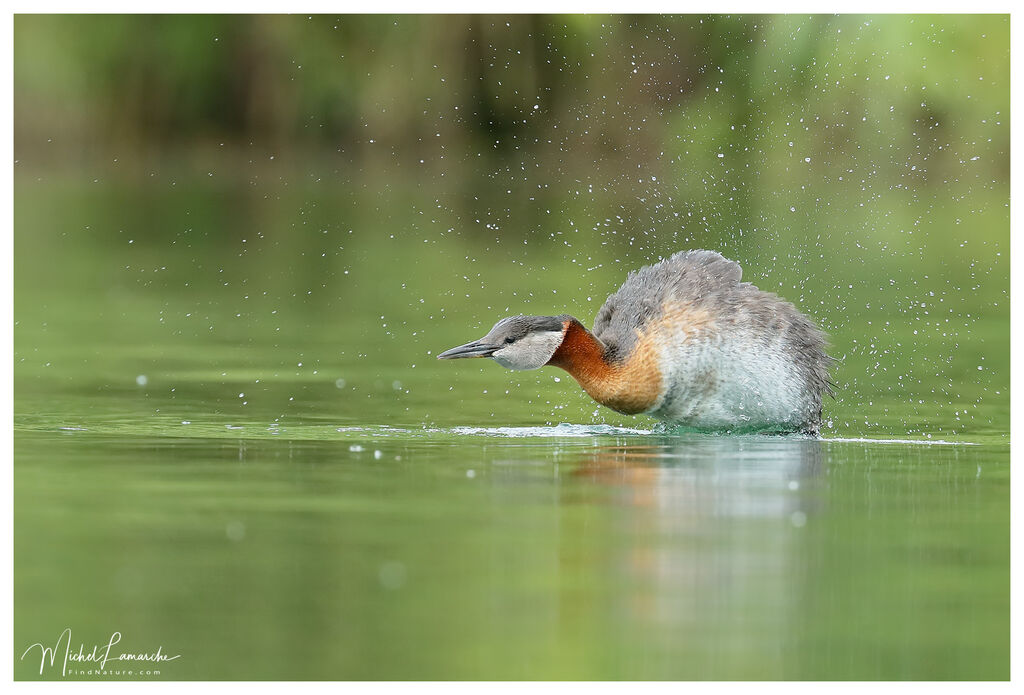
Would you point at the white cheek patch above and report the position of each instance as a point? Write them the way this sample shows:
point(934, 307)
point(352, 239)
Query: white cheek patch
point(530, 352)
point(503, 359)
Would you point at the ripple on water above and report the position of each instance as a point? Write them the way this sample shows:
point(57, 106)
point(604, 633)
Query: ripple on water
point(194, 430)
point(561, 430)
point(865, 440)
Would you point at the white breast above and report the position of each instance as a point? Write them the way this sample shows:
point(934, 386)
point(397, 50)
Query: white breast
point(733, 382)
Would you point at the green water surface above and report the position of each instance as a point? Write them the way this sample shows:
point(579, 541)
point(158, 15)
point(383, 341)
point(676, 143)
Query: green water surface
point(233, 442)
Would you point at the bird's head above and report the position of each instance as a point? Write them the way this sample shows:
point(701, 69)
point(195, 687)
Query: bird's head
point(516, 342)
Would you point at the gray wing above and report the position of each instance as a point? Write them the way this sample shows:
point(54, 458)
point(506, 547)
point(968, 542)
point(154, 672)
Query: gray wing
point(687, 275)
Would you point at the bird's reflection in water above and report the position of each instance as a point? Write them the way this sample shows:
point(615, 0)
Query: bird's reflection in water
point(710, 535)
point(714, 476)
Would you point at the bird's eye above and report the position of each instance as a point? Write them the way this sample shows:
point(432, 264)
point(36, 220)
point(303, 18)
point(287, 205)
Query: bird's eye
point(509, 340)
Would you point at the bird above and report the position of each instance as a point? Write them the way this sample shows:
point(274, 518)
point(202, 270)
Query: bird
point(685, 341)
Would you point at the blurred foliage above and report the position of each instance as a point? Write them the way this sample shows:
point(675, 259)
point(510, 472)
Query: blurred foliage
point(530, 92)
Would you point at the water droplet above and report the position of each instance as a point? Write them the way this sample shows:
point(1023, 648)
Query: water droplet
point(392, 575)
point(235, 531)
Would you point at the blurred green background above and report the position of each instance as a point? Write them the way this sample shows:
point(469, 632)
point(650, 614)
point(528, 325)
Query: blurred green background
point(235, 229)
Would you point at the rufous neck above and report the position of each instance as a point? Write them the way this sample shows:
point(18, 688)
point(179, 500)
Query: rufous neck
point(631, 386)
point(581, 353)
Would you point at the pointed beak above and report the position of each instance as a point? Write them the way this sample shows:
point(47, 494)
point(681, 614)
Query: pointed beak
point(477, 348)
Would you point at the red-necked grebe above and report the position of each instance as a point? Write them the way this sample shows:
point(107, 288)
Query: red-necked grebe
point(684, 341)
